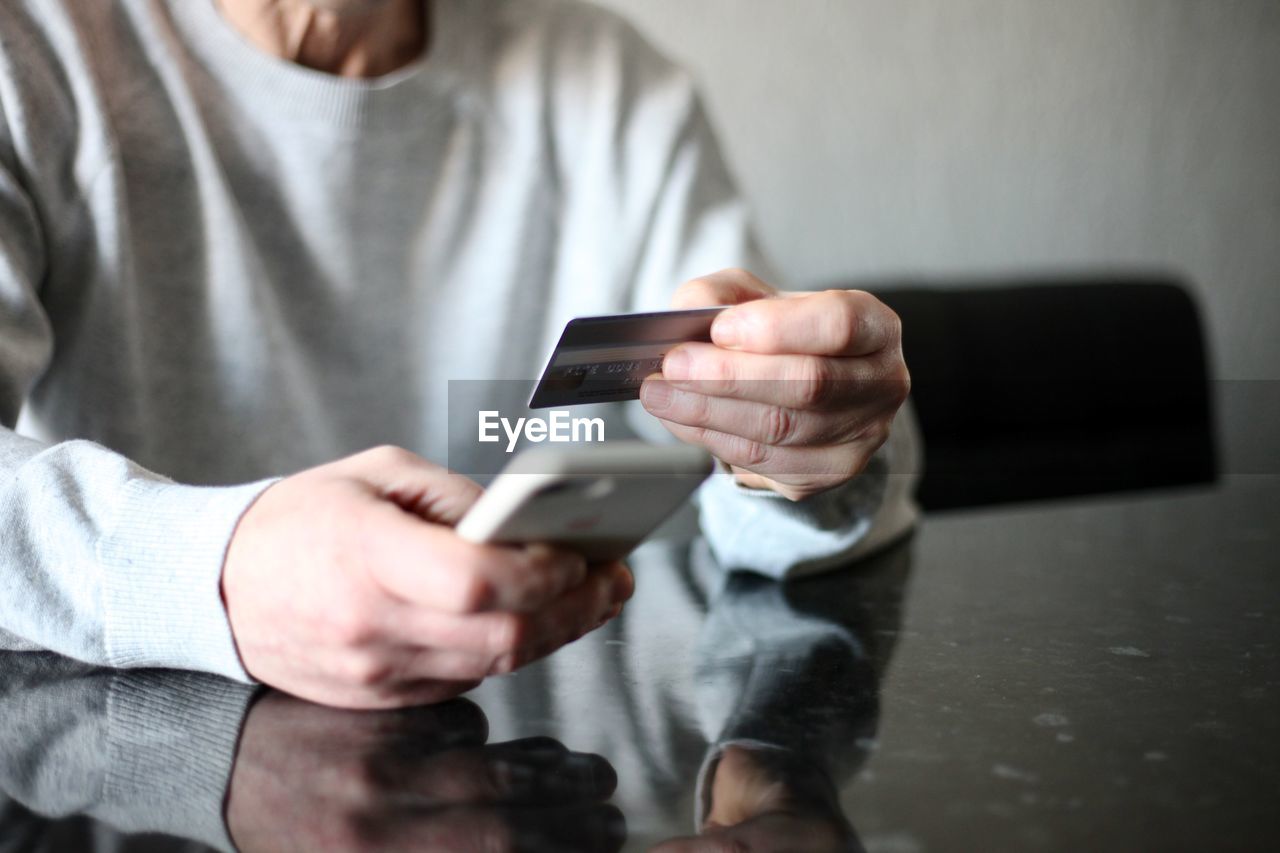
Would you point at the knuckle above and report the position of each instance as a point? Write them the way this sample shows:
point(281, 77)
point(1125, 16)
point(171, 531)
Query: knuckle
point(697, 291)
point(624, 582)
point(382, 451)
point(902, 385)
point(718, 370)
point(508, 634)
point(700, 436)
point(538, 586)
point(364, 669)
point(877, 435)
point(750, 285)
point(502, 665)
point(780, 425)
point(894, 326)
point(697, 409)
point(351, 627)
point(845, 316)
point(549, 571)
point(390, 455)
point(753, 453)
point(475, 592)
point(890, 381)
point(850, 326)
point(813, 382)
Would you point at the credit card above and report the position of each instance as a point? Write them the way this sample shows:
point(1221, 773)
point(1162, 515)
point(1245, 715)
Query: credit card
point(605, 359)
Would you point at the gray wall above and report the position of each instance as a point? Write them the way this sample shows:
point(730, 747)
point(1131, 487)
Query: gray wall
point(953, 137)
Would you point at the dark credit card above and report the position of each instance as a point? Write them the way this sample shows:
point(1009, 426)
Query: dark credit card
point(605, 359)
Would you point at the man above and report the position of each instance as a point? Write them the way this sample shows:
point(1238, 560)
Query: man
point(245, 237)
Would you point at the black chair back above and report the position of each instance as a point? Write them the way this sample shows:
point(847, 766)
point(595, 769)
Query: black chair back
point(1056, 389)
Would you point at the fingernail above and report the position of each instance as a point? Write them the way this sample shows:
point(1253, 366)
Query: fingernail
point(726, 331)
point(504, 665)
point(655, 394)
point(676, 365)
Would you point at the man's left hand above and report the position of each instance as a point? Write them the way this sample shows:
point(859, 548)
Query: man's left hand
point(796, 391)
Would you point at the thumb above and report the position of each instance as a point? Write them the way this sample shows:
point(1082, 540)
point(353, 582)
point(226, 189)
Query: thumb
point(423, 488)
point(727, 287)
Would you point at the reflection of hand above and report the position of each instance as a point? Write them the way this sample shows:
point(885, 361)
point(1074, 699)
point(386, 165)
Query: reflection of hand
point(796, 390)
point(346, 585)
point(761, 804)
point(313, 778)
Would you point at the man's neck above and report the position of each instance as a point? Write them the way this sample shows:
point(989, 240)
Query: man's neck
point(349, 38)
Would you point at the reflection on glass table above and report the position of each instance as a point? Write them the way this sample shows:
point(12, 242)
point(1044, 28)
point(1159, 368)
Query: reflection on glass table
point(304, 777)
point(421, 778)
point(787, 677)
point(796, 696)
point(766, 693)
point(733, 707)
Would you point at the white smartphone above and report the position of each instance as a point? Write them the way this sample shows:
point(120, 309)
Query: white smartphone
point(598, 500)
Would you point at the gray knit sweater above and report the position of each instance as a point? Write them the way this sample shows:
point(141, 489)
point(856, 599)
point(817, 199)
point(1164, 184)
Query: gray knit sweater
point(217, 267)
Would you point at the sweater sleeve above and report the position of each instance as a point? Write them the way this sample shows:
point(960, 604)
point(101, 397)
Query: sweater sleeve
point(699, 224)
point(100, 559)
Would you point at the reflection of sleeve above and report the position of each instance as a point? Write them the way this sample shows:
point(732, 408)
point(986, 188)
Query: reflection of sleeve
point(99, 559)
point(768, 673)
point(698, 223)
point(144, 751)
point(774, 679)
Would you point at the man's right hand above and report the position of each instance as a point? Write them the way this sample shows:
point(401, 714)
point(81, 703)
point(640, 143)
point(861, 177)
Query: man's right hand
point(345, 584)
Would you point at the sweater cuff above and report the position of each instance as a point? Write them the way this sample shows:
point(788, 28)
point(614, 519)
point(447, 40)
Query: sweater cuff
point(171, 741)
point(162, 563)
point(763, 532)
